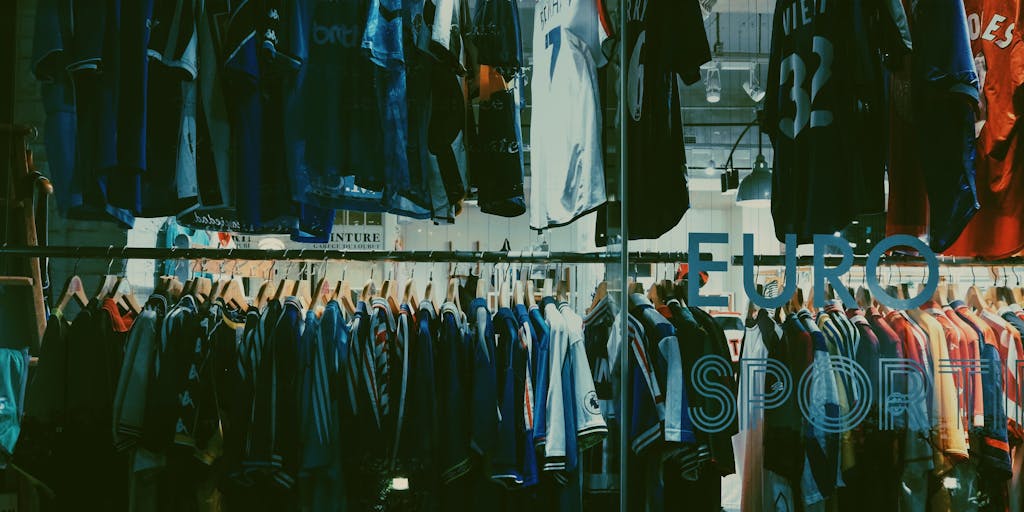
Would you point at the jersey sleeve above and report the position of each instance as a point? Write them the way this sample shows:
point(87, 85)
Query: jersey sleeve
point(676, 31)
point(646, 398)
point(554, 447)
point(484, 405)
point(678, 427)
point(591, 428)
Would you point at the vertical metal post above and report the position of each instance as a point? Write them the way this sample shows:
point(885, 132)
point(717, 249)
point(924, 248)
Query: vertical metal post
point(623, 413)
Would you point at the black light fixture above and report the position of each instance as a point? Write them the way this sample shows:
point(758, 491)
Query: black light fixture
point(730, 181)
point(756, 189)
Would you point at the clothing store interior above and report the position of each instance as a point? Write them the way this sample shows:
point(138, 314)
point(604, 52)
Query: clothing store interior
point(512, 255)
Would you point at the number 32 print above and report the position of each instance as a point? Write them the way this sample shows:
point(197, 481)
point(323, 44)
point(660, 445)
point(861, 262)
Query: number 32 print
point(793, 65)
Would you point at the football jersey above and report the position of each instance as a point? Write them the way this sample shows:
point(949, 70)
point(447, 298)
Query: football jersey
point(998, 49)
point(565, 140)
point(816, 84)
point(665, 42)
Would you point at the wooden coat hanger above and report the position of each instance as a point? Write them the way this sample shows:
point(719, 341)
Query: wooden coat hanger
point(392, 296)
point(343, 293)
point(267, 290)
point(452, 293)
point(369, 288)
point(504, 288)
point(304, 292)
point(1004, 296)
point(940, 291)
point(286, 286)
point(386, 287)
point(599, 294)
point(482, 285)
point(654, 295)
point(201, 285)
point(973, 296)
point(952, 293)
point(1018, 291)
point(73, 290)
point(562, 290)
point(863, 295)
point(124, 296)
point(322, 290)
point(409, 290)
point(530, 293)
point(518, 291)
point(428, 292)
point(231, 292)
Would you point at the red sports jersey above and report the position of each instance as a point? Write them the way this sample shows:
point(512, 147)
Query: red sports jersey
point(997, 230)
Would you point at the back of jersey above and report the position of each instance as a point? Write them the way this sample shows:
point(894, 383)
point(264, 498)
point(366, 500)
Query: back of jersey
point(814, 189)
point(566, 152)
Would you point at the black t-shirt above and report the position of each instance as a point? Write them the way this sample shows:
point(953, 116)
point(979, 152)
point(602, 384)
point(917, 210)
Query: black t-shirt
point(665, 41)
point(825, 116)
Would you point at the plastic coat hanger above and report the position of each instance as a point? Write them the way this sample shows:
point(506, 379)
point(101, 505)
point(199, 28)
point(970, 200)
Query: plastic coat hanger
point(122, 292)
point(107, 282)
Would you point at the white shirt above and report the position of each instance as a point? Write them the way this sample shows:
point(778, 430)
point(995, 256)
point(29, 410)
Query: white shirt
point(565, 139)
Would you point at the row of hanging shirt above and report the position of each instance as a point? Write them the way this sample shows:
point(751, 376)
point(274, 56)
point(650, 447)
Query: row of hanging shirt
point(396, 403)
point(673, 464)
point(955, 450)
point(265, 117)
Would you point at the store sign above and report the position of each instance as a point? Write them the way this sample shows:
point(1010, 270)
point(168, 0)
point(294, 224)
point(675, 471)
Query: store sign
point(824, 246)
point(904, 384)
point(345, 237)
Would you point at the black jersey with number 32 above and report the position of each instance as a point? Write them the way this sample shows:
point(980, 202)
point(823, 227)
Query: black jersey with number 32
point(817, 184)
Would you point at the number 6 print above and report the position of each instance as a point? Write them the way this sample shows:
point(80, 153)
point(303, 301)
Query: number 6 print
point(794, 65)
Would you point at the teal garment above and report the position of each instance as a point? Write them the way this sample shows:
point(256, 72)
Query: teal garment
point(12, 396)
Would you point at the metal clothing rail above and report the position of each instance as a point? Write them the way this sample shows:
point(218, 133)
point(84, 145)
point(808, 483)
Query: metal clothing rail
point(315, 255)
point(860, 261)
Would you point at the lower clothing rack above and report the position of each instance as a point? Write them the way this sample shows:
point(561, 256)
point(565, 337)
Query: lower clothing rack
point(314, 255)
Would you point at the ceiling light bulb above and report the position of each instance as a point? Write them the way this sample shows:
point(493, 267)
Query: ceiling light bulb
point(711, 168)
point(713, 82)
point(753, 84)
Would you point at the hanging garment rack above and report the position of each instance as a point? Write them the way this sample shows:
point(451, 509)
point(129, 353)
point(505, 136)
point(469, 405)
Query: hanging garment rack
point(319, 255)
point(903, 260)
